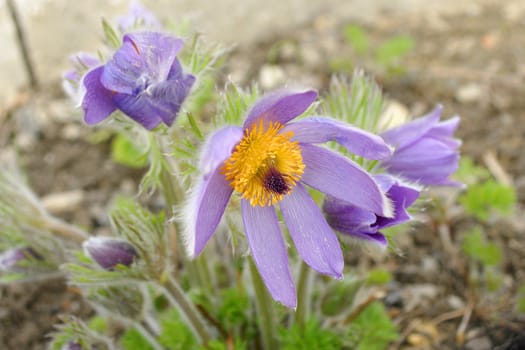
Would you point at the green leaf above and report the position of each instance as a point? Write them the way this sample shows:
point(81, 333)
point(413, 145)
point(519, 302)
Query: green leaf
point(133, 340)
point(394, 49)
point(373, 329)
point(110, 34)
point(233, 309)
point(482, 199)
point(311, 336)
point(339, 296)
point(475, 247)
point(124, 151)
point(469, 173)
point(175, 333)
point(356, 37)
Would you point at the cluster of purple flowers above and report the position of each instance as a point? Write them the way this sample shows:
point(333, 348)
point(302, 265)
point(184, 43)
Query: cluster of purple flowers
point(272, 161)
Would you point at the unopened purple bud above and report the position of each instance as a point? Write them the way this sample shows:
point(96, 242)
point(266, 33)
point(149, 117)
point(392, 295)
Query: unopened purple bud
point(71, 345)
point(109, 252)
point(10, 258)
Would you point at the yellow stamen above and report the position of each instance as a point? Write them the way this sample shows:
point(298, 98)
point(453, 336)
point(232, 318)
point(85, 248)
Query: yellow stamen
point(265, 165)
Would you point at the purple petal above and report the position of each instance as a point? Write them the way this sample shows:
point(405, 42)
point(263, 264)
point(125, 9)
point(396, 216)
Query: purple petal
point(280, 106)
point(143, 56)
point(142, 109)
point(421, 151)
point(341, 178)
point(98, 101)
point(355, 140)
point(376, 239)
point(405, 134)
point(347, 218)
point(269, 251)
point(445, 129)
point(430, 172)
point(402, 195)
point(204, 211)
point(313, 238)
point(218, 147)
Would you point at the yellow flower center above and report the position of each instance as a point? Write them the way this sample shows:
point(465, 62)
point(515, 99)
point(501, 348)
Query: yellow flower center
point(265, 165)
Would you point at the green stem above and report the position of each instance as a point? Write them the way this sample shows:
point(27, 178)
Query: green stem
point(304, 292)
point(148, 335)
point(265, 310)
point(187, 310)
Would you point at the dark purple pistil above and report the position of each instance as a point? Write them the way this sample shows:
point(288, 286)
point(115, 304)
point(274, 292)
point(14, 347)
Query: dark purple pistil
point(275, 182)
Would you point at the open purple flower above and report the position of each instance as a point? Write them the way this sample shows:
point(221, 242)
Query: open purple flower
point(109, 252)
point(144, 80)
point(425, 150)
point(269, 161)
point(364, 225)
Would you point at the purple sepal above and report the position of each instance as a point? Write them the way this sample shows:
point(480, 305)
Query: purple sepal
point(109, 252)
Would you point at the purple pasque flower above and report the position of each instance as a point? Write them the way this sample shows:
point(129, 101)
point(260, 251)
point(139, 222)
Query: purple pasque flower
point(365, 226)
point(12, 257)
point(269, 161)
point(425, 150)
point(144, 80)
point(109, 252)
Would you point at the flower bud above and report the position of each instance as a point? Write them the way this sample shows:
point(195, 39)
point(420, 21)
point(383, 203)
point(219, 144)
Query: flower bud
point(109, 252)
point(10, 258)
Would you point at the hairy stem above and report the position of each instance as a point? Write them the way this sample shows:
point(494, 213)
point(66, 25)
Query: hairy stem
point(265, 310)
point(304, 291)
point(187, 310)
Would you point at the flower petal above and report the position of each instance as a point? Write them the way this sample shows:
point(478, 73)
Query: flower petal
point(402, 195)
point(204, 211)
point(341, 178)
point(141, 108)
point(347, 218)
point(98, 102)
point(218, 147)
point(355, 140)
point(314, 239)
point(269, 251)
point(280, 106)
point(142, 54)
point(407, 133)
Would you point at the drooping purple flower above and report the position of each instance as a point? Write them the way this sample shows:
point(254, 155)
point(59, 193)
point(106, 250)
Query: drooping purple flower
point(364, 225)
point(109, 252)
point(144, 80)
point(425, 150)
point(138, 17)
point(12, 257)
point(270, 160)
